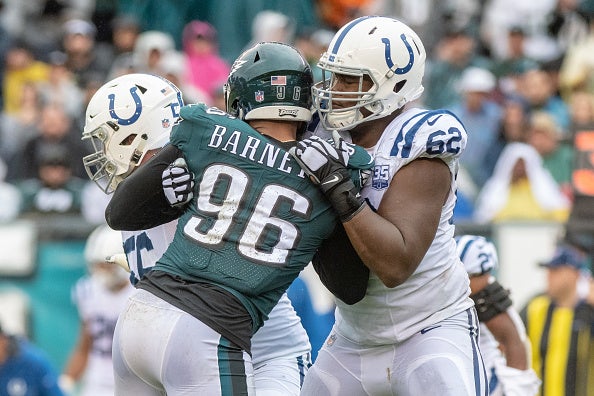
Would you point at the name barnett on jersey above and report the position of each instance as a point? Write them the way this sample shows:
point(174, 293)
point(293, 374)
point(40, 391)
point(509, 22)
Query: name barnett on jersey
point(254, 149)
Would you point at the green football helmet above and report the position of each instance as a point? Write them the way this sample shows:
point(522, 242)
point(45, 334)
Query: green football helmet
point(270, 81)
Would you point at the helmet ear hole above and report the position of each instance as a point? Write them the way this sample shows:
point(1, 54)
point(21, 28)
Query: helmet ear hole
point(128, 139)
point(399, 86)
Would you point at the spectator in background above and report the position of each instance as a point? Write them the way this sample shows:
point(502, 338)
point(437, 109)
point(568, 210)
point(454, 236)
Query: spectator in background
point(503, 341)
point(10, 197)
point(21, 68)
point(24, 369)
point(521, 188)
point(513, 125)
point(481, 116)
point(581, 110)
point(577, 67)
point(18, 127)
point(89, 85)
point(567, 24)
point(514, 63)
point(173, 68)
point(125, 32)
point(546, 137)
point(83, 54)
point(55, 128)
point(336, 13)
point(61, 87)
point(169, 16)
point(54, 189)
point(151, 46)
point(205, 70)
point(501, 15)
point(99, 297)
point(560, 326)
point(6, 41)
point(311, 43)
point(540, 91)
point(455, 52)
point(271, 25)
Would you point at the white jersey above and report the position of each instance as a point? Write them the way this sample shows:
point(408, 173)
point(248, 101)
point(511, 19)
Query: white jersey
point(282, 333)
point(144, 248)
point(99, 308)
point(439, 287)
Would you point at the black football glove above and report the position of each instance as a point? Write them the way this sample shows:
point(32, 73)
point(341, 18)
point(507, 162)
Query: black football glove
point(326, 162)
point(178, 183)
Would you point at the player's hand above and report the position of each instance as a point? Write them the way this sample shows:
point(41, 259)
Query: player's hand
point(359, 161)
point(325, 162)
point(178, 183)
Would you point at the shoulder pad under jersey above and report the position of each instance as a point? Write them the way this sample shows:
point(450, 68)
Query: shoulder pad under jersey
point(430, 134)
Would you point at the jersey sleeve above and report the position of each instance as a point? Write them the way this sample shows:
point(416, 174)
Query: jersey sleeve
point(431, 134)
point(340, 268)
point(197, 122)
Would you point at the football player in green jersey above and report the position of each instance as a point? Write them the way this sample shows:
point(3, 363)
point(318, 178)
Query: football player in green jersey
point(254, 222)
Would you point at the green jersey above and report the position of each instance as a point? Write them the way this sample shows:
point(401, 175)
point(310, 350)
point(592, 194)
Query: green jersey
point(255, 220)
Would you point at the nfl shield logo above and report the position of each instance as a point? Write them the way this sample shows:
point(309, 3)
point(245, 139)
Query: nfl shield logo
point(165, 122)
point(259, 96)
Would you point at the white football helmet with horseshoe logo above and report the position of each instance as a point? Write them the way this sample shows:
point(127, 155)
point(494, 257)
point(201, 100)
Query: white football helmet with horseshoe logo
point(125, 118)
point(384, 49)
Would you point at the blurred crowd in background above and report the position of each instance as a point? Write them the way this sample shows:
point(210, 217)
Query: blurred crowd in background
point(519, 74)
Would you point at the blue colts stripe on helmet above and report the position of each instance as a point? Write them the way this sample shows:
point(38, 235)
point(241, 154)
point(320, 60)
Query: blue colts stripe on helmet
point(344, 32)
point(137, 111)
point(388, 55)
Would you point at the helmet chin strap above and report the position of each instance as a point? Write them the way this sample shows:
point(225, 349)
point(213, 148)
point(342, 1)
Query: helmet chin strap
point(139, 152)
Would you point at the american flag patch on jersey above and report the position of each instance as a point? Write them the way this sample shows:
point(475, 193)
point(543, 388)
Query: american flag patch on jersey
point(259, 96)
point(278, 80)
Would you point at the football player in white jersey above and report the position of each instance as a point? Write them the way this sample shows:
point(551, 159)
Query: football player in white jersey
point(416, 330)
point(281, 352)
point(99, 297)
point(503, 341)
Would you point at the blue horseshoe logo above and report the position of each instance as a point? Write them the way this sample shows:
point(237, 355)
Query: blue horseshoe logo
point(411, 60)
point(137, 112)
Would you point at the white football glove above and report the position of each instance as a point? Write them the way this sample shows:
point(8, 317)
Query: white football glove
point(178, 183)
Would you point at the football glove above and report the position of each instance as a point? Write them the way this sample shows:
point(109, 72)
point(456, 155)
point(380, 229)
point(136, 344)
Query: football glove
point(178, 183)
point(326, 163)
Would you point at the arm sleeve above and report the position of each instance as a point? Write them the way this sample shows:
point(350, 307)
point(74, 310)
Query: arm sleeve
point(340, 268)
point(139, 202)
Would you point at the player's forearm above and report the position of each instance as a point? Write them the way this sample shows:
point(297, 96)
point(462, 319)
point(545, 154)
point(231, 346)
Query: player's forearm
point(139, 202)
point(340, 268)
point(382, 247)
point(505, 332)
